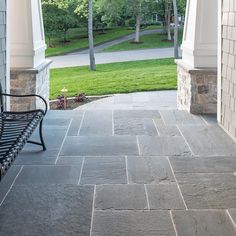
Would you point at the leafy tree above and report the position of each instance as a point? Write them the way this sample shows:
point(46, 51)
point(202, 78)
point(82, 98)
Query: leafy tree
point(134, 8)
point(112, 12)
point(181, 4)
point(85, 10)
point(59, 17)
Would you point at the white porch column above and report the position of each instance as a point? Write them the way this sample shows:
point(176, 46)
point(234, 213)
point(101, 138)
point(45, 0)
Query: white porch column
point(197, 73)
point(29, 68)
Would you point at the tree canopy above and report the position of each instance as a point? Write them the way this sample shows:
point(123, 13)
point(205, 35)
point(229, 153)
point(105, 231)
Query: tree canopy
point(60, 15)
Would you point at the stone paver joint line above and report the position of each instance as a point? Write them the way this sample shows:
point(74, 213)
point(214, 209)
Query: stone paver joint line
point(174, 226)
point(162, 118)
point(181, 195)
point(231, 218)
point(126, 165)
point(185, 140)
point(93, 207)
point(139, 150)
point(67, 131)
point(81, 170)
point(11, 186)
point(158, 133)
point(204, 120)
point(146, 192)
point(113, 126)
point(81, 123)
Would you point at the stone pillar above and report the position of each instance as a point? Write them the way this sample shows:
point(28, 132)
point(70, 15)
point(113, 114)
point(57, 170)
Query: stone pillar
point(29, 68)
point(197, 73)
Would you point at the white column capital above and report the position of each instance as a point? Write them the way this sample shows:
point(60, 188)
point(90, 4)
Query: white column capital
point(27, 41)
point(200, 34)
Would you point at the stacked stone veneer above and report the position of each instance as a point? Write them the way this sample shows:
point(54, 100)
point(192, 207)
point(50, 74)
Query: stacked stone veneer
point(197, 89)
point(30, 81)
point(3, 43)
point(228, 67)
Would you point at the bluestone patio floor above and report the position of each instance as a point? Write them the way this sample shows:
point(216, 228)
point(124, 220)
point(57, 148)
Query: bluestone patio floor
point(128, 165)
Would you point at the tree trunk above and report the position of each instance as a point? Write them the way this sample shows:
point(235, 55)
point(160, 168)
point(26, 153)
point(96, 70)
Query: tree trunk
point(49, 42)
point(166, 18)
point(168, 22)
point(176, 29)
point(137, 32)
point(90, 34)
point(138, 24)
point(64, 36)
point(164, 31)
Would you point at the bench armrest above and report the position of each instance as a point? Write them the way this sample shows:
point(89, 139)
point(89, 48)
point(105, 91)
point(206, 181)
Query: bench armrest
point(28, 95)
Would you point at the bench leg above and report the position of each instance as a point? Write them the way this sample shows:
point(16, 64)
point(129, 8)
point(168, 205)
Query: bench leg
point(41, 137)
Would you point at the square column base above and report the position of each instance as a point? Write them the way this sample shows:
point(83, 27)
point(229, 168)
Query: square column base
point(197, 89)
point(29, 81)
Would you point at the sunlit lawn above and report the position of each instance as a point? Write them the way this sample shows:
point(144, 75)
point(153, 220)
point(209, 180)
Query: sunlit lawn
point(79, 40)
point(157, 40)
point(125, 77)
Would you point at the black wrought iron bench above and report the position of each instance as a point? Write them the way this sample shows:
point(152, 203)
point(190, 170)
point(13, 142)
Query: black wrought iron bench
point(16, 129)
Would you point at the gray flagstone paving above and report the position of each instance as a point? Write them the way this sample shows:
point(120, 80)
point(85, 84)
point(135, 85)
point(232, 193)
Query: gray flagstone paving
point(129, 165)
point(199, 223)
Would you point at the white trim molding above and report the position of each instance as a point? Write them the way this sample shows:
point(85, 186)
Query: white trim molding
point(27, 34)
point(219, 82)
point(200, 34)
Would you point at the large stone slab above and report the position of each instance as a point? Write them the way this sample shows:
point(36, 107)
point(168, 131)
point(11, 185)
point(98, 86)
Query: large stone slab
point(164, 197)
point(121, 197)
point(34, 175)
point(36, 158)
point(203, 223)
point(96, 123)
point(104, 170)
point(137, 114)
point(134, 126)
point(163, 146)
point(64, 114)
point(132, 223)
point(71, 160)
point(208, 191)
point(100, 146)
point(7, 181)
point(175, 117)
point(204, 164)
point(209, 140)
point(211, 119)
point(56, 122)
point(47, 210)
point(149, 170)
point(75, 126)
point(233, 214)
point(33, 154)
point(123, 99)
point(167, 130)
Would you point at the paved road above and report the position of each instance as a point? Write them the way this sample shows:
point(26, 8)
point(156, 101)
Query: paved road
point(81, 58)
point(110, 57)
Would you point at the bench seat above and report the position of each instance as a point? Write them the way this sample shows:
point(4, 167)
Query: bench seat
point(15, 131)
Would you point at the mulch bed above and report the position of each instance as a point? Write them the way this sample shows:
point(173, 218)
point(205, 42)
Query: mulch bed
point(72, 104)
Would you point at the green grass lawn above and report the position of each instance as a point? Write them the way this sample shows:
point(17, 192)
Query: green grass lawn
point(125, 77)
point(78, 40)
point(157, 40)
